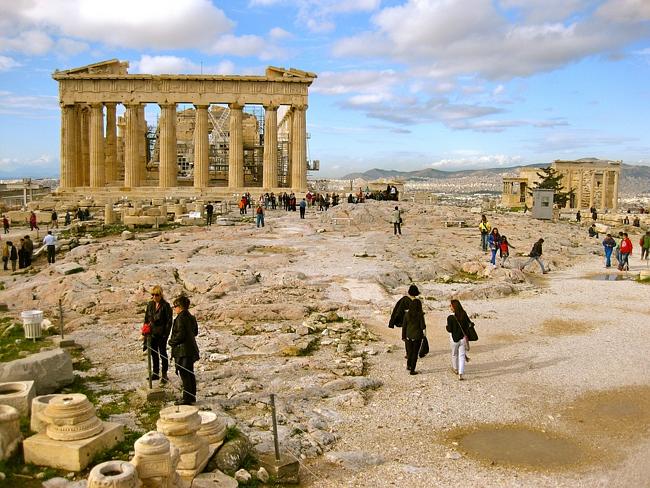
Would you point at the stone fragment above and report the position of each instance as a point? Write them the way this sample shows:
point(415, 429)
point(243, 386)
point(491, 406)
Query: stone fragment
point(243, 476)
point(285, 470)
point(113, 474)
point(71, 417)
point(18, 394)
point(50, 370)
point(156, 461)
point(213, 428)
point(231, 455)
point(262, 474)
point(354, 459)
point(10, 435)
point(69, 268)
point(215, 479)
point(127, 235)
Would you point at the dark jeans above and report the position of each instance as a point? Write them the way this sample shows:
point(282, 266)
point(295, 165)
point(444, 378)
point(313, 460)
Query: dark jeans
point(208, 219)
point(185, 369)
point(412, 350)
point(51, 251)
point(302, 213)
point(397, 228)
point(158, 351)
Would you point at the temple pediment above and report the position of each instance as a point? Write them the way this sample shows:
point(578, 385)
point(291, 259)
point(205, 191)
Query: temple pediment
point(276, 72)
point(110, 67)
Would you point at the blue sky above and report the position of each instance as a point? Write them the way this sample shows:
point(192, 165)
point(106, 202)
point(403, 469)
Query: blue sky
point(402, 84)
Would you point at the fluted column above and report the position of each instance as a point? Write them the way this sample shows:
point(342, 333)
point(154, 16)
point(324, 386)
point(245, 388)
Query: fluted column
point(168, 158)
point(236, 147)
point(96, 146)
point(110, 144)
point(131, 147)
point(85, 147)
point(592, 190)
point(201, 147)
point(68, 158)
point(299, 149)
point(615, 198)
point(78, 170)
point(603, 192)
point(142, 148)
point(569, 183)
point(270, 164)
point(580, 183)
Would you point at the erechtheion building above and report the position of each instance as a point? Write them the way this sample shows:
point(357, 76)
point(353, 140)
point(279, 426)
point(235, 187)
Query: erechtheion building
point(594, 182)
point(242, 133)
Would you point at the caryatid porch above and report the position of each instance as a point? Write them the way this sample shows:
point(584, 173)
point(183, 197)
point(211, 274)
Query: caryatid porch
point(92, 159)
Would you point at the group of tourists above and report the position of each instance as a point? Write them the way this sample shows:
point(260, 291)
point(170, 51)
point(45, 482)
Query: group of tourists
point(408, 314)
point(20, 256)
point(620, 246)
point(161, 329)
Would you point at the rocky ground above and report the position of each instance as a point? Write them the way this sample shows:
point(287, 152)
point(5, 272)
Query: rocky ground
point(299, 308)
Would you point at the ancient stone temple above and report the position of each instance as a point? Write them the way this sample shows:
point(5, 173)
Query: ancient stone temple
point(594, 182)
point(243, 133)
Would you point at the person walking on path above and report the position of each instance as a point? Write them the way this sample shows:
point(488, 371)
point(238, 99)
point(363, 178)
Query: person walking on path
point(400, 308)
point(50, 241)
point(259, 215)
point(159, 317)
point(21, 254)
point(5, 224)
point(6, 251)
point(457, 325)
point(494, 240)
point(413, 328)
point(535, 254)
point(185, 351)
point(54, 220)
point(13, 254)
point(504, 250)
point(303, 207)
point(209, 211)
point(68, 217)
point(608, 244)
point(396, 219)
point(645, 245)
point(626, 250)
point(617, 249)
point(29, 250)
point(578, 216)
point(485, 228)
point(32, 221)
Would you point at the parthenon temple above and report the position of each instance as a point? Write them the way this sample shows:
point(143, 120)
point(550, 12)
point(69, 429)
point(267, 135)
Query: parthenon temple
point(594, 182)
point(241, 133)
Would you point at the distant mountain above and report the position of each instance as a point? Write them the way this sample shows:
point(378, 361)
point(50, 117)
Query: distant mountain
point(635, 179)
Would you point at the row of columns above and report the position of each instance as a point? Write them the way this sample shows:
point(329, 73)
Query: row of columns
point(604, 201)
point(89, 158)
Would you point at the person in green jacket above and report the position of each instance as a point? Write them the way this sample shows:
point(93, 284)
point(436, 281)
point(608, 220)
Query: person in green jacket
point(645, 245)
point(185, 351)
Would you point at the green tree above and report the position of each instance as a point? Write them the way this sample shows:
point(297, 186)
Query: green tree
point(552, 180)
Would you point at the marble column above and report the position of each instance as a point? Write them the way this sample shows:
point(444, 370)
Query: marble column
point(270, 164)
point(289, 117)
point(131, 147)
point(569, 184)
point(580, 183)
point(299, 149)
point(201, 148)
point(236, 147)
point(110, 144)
point(615, 197)
point(85, 147)
point(121, 139)
point(96, 146)
point(68, 146)
point(142, 147)
point(78, 171)
point(592, 190)
point(603, 192)
point(168, 157)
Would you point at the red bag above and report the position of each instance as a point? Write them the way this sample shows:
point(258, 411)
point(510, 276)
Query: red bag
point(146, 329)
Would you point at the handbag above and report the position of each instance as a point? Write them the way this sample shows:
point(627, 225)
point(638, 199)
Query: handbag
point(424, 347)
point(470, 333)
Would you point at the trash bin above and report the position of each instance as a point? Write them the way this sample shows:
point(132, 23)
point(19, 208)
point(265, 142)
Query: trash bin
point(32, 323)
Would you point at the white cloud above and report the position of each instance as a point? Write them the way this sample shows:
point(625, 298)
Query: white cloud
point(278, 33)
point(478, 162)
point(178, 65)
point(625, 10)
point(70, 47)
point(29, 106)
point(31, 42)
point(546, 10)
point(7, 63)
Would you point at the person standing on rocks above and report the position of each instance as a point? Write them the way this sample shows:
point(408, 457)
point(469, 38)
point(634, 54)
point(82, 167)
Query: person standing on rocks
point(504, 250)
point(50, 241)
point(259, 215)
point(303, 207)
point(608, 245)
point(396, 219)
point(32, 221)
point(578, 216)
point(626, 250)
point(209, 211)
point(494, 240)
point(159, 317)
point(457, 325)
point(29, 250)
point(485, 228)
point(535, 254)
point(185, 351)
point(413, 328)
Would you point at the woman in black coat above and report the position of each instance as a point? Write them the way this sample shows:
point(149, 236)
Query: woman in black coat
point(159, 317)
point(457, 325)
point(185, 352)
point(413, 327)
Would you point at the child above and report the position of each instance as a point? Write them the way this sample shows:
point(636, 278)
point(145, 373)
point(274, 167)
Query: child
point(504, 250)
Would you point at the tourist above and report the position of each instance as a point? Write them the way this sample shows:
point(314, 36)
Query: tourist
point(594, 214)
point(617, 249)
point(494, 239)
point(50, 241)
point(87, 213)
point(636, 222)
point(396, 219)
point(259, 215)
point(645, 245)
point(413, 328)
point(32, 221)
point(29, 250)
point(159, 317)
point(578, 216)
point(242, 205)
point(12, 254)
point(485, 228)
point(6, 252)
point(626, 250)
point(457, 324)
point(80, 214)
point(68, 217)
point(400, 308)
point(504, 250)
point(185, 352)
point(592, 231)
point(5, 224)
point(535, 254)
point(608, 244)
point(626, 220)
point(21, 254)
point(209, 210)
point(54, 217)
point(303, 207)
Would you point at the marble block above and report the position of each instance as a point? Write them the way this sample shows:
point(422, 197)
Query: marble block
point(71, 417)
point(18, 394)
point(156, 460)
point(74, 455)
point(38, 420)
point(10, 435)
point(113, 474)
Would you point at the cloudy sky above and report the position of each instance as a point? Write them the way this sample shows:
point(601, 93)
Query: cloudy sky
point(402, 84)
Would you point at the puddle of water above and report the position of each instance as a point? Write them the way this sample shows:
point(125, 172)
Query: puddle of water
point(521, 447)
point(613, 277)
